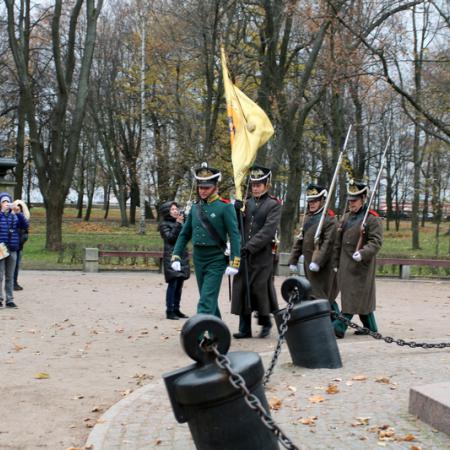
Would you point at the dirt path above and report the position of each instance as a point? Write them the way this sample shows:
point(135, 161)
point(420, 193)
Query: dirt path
point(100, 336)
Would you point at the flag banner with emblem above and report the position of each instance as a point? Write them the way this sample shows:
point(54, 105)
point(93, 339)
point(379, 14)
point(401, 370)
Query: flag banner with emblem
point(249, 127)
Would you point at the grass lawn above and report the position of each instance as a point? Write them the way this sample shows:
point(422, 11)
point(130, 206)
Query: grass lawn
point(108, 234)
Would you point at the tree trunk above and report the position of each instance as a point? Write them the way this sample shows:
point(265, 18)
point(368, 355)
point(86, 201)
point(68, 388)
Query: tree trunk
point(54, 207)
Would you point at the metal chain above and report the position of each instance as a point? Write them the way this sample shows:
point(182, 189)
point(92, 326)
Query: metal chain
point(388, 339)
point(283, 329)
point(252, 401)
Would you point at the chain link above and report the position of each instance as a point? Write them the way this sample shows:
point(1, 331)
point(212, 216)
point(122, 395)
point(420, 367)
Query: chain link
point(252, 401)
point(283, 329)
point(388, 339)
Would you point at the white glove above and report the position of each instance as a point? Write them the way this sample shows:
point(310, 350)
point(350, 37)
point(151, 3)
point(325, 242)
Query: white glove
point(314, 267)
point(176, 265)
point(293, 267)
point(231, 271)
point(357, 256)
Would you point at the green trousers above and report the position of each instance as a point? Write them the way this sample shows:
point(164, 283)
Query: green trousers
point(210, 264)
point(368, 321)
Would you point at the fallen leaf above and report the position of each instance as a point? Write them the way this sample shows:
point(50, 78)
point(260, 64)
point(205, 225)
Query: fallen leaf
point(316, 399)
point(359, 378)
point(414, 447)
point(361, 421)
point(158, 441)
point(292, 388)
point(127, 392)
point(18, 348)
point(78, 397)
point(409, 438)
point(96, 409)
point(41, 376)
point(332, 389)
point(385, 380)
point(308, 420)
point(275, 403)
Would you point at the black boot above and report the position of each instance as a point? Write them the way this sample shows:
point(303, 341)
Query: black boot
point(171, 316)
point(179, 314)
point(265, 331)
point(242, 335)
point(245, 327)
point(18, 287)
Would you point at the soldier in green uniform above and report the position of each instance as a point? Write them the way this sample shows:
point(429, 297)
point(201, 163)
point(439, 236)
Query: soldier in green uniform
point(210, 223)
point(260, 221)
point(356, 268)
point(317, 262)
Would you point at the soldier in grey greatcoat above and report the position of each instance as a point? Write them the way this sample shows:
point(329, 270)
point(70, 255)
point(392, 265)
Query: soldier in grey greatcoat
point(260, 222)
point(356, 267)
point(317, 261)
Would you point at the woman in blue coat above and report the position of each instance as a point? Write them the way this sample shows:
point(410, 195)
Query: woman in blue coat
point(11, 221)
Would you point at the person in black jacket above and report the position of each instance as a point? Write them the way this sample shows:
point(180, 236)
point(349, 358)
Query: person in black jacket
point(260, 221)
point(169, 228)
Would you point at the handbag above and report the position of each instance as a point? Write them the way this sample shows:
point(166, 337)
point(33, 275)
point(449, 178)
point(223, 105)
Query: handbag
point(4, 253)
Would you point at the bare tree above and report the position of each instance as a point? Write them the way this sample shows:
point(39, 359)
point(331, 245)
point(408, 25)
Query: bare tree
point(55, 162)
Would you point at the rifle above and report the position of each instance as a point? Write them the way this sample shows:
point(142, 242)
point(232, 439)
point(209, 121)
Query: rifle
point(362, 231)
point(330, 192)
point(302, 223)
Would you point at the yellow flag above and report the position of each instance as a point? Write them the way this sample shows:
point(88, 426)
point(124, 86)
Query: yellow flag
point(249, 126)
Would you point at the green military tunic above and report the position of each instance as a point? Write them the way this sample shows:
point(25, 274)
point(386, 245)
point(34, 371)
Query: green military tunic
point(320, 281)
point(209, 259)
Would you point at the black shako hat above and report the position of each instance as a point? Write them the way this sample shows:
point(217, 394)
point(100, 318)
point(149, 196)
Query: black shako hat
point(207, 176)
point(356, 189)
point(260, 174)
point(315, 191)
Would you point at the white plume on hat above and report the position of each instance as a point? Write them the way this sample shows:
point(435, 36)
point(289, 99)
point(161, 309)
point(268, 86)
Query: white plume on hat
point(23, 205)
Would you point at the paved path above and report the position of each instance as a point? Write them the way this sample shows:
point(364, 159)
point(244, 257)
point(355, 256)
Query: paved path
point(369, 408)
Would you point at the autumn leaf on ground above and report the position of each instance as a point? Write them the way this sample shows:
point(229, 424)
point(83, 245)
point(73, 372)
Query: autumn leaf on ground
point(18, 348)
point(41, 376)
point(414, 447)
point(361, 421)
point(386, 435)
point(359, 378)
point(332, 389)
point(127, 392)
point(78, 397)
point(158, 441)
point(96, 409)
point(275, 403)
point(316, 399)
point(308, 420)
point(408, 438)
point(292, 388)
point(385, 380)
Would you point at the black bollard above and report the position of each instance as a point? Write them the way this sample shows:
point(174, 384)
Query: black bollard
point(310, 336)
point(202, 395)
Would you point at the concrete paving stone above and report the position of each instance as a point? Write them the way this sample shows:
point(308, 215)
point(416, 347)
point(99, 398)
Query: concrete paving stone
point(431, 403)
point(370, 409)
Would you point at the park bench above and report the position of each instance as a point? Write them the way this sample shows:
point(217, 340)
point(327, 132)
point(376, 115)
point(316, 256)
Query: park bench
point(403, 263)
point(92, 256)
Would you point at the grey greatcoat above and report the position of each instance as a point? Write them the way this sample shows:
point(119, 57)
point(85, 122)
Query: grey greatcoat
point(356, 280)
point(320, 281)
point(261, 220)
